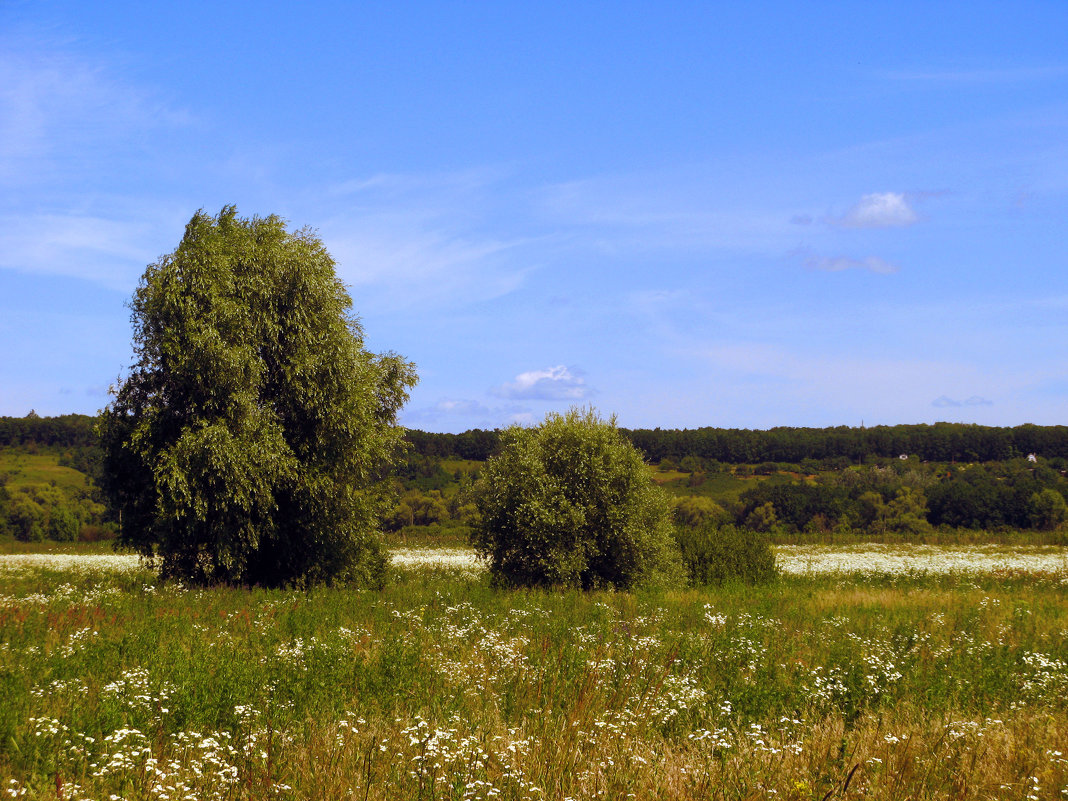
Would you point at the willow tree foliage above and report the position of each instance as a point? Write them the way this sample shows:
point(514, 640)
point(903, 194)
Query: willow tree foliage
point(571, 503)
point(249, 441)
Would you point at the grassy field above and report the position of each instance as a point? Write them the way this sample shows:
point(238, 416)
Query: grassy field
point(723, 487)
point(839, 685)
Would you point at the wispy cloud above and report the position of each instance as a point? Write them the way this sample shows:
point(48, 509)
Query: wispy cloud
point(672, 210)
point(59, 111)
point(409, 266)
point(416, 240)
point(841, 386)
point(68, 125)
point(835, 264)
point(946, 402)
point(878, 210)
point(552, 383)
point(460, 414)
point(980, 76)
point(112, 252)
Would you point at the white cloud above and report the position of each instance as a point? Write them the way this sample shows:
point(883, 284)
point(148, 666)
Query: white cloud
point(552, 383)
point(461, 407)
point(836, 264)
point(945, 402)
point(879, 210)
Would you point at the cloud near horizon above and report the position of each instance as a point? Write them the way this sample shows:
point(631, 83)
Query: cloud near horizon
point(552, 383)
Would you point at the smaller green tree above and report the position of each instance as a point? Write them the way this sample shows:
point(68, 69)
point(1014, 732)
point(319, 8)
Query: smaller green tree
point(762, 518)
point(871, 507)
point(698, 510)
point(1048, 509)
point(571, 503)
point(62, 525)
point(26, 517)
point(907, 512)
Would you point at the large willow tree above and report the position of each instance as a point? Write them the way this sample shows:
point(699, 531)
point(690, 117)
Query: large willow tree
point(249, 441)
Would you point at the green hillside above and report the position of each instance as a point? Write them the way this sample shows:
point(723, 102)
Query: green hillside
point(42, 496)
point(39, 470)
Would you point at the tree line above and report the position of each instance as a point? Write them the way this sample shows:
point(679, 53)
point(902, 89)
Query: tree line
point(68, 431)
point(940, 442)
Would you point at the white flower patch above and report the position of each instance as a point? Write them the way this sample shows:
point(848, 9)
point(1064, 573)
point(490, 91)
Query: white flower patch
point(1047, 676)
point(464, 559)
point(77, 563)
point(134, 689)
point(444, 760)
point(874, 559)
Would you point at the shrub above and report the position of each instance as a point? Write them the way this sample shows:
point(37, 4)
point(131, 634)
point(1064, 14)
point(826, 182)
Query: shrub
point(714, 555)
point(571, 503)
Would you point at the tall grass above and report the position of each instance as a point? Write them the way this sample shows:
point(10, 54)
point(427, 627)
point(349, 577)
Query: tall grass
point(440, 687)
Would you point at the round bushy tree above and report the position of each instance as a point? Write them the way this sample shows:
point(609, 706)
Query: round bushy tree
point(247, 444)
point(571, 503)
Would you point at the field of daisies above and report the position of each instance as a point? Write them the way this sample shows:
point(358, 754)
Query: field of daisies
point(879, 672)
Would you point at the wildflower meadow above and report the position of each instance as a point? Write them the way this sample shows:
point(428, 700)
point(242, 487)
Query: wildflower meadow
point(842, 679)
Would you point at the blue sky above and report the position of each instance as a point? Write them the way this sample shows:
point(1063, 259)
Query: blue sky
point(704, 214)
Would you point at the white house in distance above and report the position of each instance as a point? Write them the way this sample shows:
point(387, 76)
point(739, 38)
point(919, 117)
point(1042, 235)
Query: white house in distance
point(1032, 458)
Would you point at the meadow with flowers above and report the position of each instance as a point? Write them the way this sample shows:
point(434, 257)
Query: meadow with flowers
point(926, 675)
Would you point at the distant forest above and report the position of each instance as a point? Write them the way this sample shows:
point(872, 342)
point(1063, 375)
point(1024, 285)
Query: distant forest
point(940, 442)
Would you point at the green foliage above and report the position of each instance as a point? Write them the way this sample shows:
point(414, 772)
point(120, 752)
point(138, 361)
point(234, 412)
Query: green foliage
point(248, 442)
point(571, 503)
point(1048, 510)
point(717, 554)
point(62, 525)
point(696, 510)
point(762, 518)
point(25, 517)
point(907, 512)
